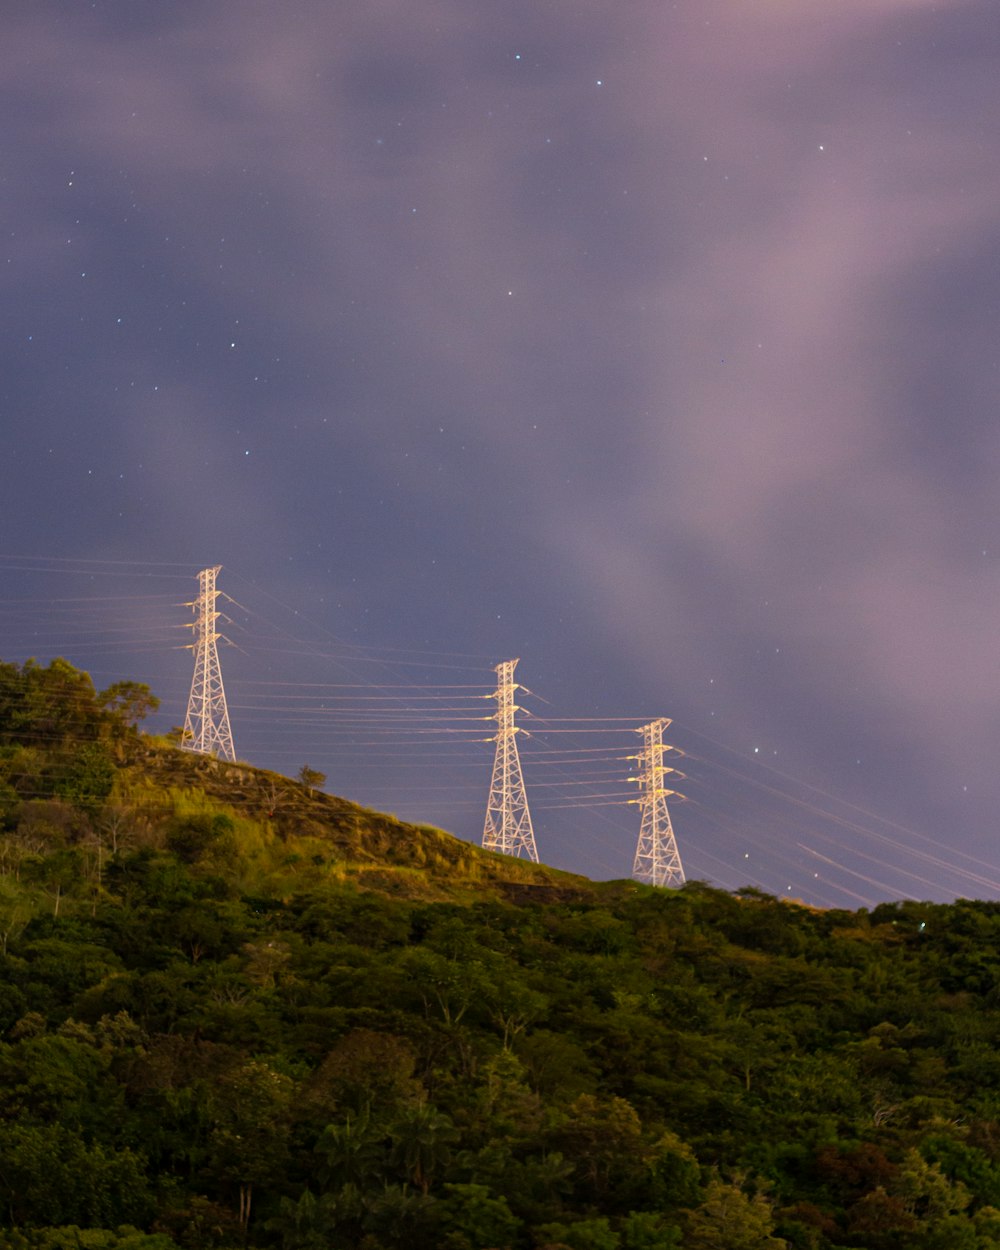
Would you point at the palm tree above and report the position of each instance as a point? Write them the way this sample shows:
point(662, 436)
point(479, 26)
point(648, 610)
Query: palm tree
point(420, 1139)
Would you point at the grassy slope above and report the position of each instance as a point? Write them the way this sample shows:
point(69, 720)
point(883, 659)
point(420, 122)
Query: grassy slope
point(284, 833)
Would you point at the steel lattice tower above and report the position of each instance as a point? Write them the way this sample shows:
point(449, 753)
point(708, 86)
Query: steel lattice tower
point(206, 726)
point(508, 821)
point(657, 860)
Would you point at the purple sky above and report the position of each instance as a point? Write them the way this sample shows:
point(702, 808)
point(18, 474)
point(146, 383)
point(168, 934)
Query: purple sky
point(657, 344)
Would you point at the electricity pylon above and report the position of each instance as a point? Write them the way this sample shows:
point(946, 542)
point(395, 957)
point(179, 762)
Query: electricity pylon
point(657, 860)
point(206, 726)
point(508, 821)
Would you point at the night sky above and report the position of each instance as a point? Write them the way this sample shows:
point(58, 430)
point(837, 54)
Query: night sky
point(656, 344)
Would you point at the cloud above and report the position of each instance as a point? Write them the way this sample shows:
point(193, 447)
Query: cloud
point(784, 489)
point(686, 317)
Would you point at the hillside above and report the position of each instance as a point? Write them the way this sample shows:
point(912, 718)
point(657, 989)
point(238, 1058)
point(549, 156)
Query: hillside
point(234, 1011)
point(279, 824)
point(72, 757)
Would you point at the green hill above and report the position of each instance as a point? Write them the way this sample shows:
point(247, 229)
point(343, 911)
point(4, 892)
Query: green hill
point(71, 757)
point(286, 834)
point(234, 1011)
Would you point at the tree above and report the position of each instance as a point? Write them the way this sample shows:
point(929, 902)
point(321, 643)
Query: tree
point(731, 1219)
point(421, 1137)
point(16, 908)
point(248, 1141)
point(60, 698)
point(87, 777)
point(592, 1234)
point(10, 802)
point(880, 1218)
point(72, 1237)
point(603, 1139)
point(127, 703)
point(650, 1230)
point(469, 1216)
point(399, 1217)
point(308, 1222)
point(50, 1175)
point(311, 777)
point(512, 1005)
point(353, 1153)
point(366, 1074)
point(116, 826)
point(57, 874)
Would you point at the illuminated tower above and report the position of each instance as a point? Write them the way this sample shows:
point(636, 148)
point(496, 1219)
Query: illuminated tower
point(508, 822)
point(657, 860)
point(206, 726)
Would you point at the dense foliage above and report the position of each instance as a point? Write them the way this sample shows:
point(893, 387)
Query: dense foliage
point(239, 1011)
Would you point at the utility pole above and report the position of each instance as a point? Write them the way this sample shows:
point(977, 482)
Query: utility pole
point(657, 860)
point(206, 726)
point(508, 821)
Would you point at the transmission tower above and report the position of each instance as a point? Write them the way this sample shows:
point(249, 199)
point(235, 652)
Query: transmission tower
point(657, 860)
point(508, 821)
point(206, 726)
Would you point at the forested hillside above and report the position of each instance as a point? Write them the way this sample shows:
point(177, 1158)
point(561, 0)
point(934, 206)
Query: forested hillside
point(236, 1011)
